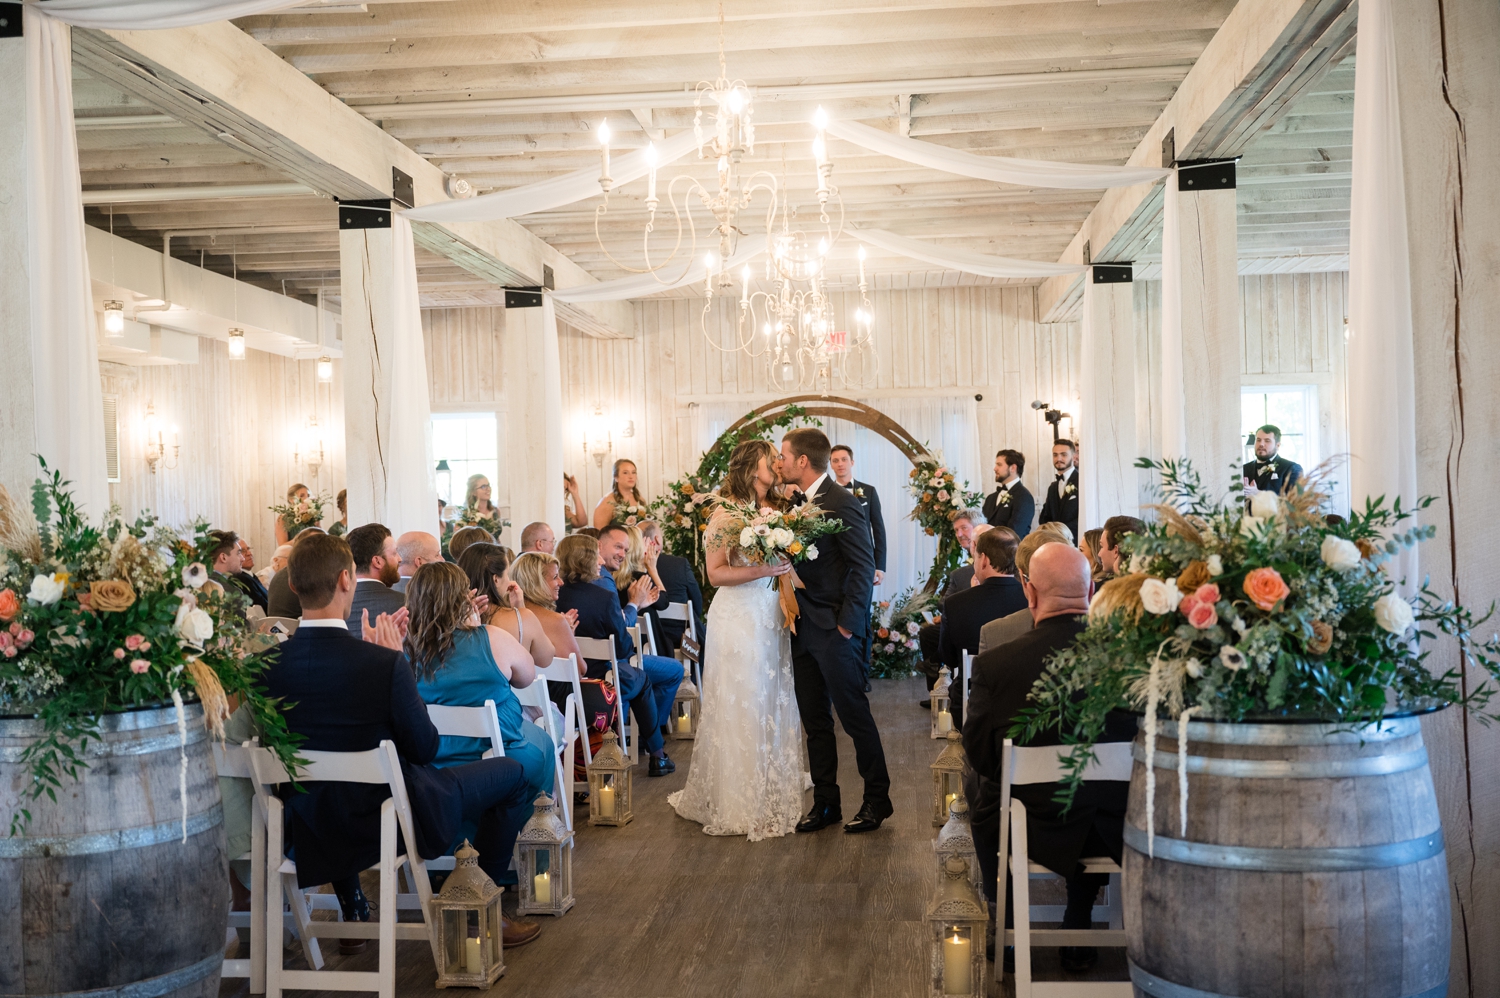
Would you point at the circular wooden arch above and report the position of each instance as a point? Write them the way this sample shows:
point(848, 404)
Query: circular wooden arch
point(848, 409)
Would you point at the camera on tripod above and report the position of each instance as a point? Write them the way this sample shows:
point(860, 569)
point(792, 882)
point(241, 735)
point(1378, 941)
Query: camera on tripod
point(1051, 415)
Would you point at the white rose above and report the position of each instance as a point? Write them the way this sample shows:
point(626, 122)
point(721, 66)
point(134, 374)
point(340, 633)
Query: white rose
point(1394, 614)
point(1160, 596)
point(747, 537)
point(812, 552)
point(1339, 554)
point(1215, 565)
point(783, 537)
point(1194, 668)
point(46, 590)
point(958, 501)
point(196, 627)
point(912, 628)
point(1265, 505)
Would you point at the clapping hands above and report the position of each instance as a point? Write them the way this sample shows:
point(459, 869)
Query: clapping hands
point(388, 631)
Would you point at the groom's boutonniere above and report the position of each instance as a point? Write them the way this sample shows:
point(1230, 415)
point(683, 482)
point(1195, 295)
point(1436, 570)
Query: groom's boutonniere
point(860, 492)
point(1069, 489)
point(1003, 498)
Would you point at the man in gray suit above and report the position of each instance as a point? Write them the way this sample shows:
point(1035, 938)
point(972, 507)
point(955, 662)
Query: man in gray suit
point(1013, 625)
point(377, 567)
point(415, 548)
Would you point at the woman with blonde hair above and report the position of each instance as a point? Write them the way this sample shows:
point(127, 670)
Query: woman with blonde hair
point(289, 525)
point(540, 577)
point(478, 510)
point(616, 505)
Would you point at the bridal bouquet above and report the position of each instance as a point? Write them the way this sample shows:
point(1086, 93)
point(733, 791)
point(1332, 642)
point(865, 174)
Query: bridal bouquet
point(766, 536)
point(300, 514)
point(103, 619)
point(1235, 615)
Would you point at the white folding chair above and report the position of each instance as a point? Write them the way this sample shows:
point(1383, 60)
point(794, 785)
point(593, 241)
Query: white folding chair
point(565, 670)
point(466, 722)
point(684, 613)
point(1021, 765)
point(634, 630)
point(968, 674)
point(536, 696)
point(648, 635)
point(603, 649)
point(379, 765)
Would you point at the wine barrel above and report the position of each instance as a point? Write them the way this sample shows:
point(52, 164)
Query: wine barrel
point(100, 894)
point(1312, 865)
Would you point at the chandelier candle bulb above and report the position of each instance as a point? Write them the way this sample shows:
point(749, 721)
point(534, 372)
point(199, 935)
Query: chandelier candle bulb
point(605, 181)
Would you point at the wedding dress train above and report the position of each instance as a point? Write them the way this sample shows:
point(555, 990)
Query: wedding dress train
point(749, 770)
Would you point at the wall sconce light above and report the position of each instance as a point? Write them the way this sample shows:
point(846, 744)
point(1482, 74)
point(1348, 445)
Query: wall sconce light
point(236, 344)
point(310, 447)
point(325, 370)
point(156, 443)
point(596, 436)
point(114, 319)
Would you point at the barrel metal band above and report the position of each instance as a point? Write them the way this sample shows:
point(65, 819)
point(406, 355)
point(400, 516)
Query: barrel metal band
point(1333, 859)
point(1222, 733)
point(90, 843)
point(1289, 769)
point(151, 987)
point(102, 749)
point(1158, 988)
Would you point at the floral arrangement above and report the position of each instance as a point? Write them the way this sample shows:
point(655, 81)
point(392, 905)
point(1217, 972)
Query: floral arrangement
point(895, 624)
point(103, 619)
point(471, 517)
point(766, 536)
point(1232, 614)
point(937, 497)
point(629, 514)
point(297, 515)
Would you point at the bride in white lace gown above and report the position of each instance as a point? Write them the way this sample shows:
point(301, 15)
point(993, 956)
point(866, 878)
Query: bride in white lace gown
point(749, 769)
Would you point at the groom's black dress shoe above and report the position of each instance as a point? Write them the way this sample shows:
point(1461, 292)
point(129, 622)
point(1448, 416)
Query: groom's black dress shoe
point(821, 816)
point(660, 766)
point(869, 817)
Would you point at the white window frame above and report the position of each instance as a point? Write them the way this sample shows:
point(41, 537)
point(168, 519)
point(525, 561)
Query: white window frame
point(1311, 416)
point(499, 485)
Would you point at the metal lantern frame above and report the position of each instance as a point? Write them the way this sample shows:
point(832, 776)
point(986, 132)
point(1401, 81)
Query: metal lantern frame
point(957, 918)
point(956, 841)
point(947, 778)
point(612, 771)
point(468, 903)
point(546, 850)
point(942, 704)
point(685, 707)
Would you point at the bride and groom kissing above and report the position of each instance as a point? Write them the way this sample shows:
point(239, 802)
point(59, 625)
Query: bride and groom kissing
point(766, 689)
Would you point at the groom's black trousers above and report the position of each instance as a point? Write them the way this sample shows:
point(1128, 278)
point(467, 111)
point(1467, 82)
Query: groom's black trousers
point(827, 670)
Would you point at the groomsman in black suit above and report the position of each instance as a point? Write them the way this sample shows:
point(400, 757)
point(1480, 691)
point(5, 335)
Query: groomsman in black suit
point(841, 466)
point(1062, 495)
point(1011, 505)
point(1268, 472)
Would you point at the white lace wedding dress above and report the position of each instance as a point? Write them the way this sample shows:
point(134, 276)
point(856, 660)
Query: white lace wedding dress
point(748, 769)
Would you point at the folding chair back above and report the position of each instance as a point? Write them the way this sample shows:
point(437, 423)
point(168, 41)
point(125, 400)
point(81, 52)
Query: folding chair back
point(469, 722)
point(559, 735)
point(964, 681)
point(684, 613)
point(565, 670)
point(235, 762)
point(603, 649)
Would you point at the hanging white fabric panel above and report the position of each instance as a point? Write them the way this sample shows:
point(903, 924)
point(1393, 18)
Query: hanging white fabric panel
point(410, 492)
point(1382, 387)
point(64, 350)
point(1173, 395)
point(967, 261)
point(999, 169)
point(570, 188)
point(642, 285)
point(144, 14)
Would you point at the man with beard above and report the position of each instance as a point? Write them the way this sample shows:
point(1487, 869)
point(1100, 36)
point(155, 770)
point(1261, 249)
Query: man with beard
point(377, 567)
point(1011, 505)
point(1062, 495)
point(1268, 472)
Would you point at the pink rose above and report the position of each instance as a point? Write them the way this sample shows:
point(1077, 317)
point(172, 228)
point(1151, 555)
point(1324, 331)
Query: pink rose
point(139, 665)
point(145, 646)
point(10, 651)
point(134, 641)
point(15, 630)
point(6, 640)
point(25, 638)
point(119, 653)
point(1207, 593)
point(1202, 615)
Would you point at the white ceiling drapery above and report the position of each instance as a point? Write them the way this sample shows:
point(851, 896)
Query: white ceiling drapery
point(140, 15)
point(967, 261)
point(641, 285)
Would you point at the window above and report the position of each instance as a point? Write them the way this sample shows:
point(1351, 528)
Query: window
point(1293, 409)
point(469, 442)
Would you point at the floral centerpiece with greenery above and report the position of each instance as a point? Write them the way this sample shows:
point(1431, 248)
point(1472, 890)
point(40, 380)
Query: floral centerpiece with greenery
point(894, 626)
point(103, 619)
point(1265, 613)
point(296, 515)
point(937, 497)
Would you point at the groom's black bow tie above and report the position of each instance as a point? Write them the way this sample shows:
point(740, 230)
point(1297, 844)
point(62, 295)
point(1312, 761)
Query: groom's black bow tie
point(798, 497)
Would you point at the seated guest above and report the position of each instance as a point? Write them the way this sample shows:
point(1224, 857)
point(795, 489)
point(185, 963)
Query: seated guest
point(226, 560)
point(540, 579)
point(377, 567)
point(632, 568)
point(344, 695)
point(539, 537)
point(465, 536)
point(588, 532)
point(486, 565)
point(1003, 629)
point(1115, 528)
point(1057, 590)
point(1060, 529)
point(1090, 548)
point(678, 585)
point(281, 601)
point(649, 691)
point(996, 593)
point(247, 579)
point(462, 663)
point(964, 525)
point(278, 562)
point(415, 548)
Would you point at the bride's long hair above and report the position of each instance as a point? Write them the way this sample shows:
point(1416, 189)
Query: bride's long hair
point(744, 462)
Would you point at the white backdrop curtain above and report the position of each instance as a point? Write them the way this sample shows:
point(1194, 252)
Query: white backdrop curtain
point(1382, 386)
point(410, 492)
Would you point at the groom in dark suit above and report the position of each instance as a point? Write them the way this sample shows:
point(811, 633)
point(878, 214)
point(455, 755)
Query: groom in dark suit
point(827, 666)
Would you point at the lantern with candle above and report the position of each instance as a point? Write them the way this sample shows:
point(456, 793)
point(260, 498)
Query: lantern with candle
point(956, 923)
point(942, 702)
point(956, 840)
point(546, 872)
point(609, 784)
point(467, 915)
point(684, 723)
point(947, 778)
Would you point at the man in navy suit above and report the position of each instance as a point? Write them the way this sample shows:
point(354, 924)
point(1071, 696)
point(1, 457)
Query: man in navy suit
point(1062, 495)
point(1011, 504)
point(347, 695)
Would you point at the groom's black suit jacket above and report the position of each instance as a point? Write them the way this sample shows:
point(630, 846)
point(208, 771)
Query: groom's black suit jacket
point(838, 582)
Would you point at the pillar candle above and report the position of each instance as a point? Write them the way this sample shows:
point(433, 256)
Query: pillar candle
point(948, 802)
point(472, 963)
point(684, 724)
point(606, 802)
point(958, 971)
point(541, 887)
point(945, 722)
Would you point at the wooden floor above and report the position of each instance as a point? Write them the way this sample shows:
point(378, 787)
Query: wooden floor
point(665, 911)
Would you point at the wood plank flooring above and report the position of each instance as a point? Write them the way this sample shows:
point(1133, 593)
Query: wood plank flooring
point(665, 911)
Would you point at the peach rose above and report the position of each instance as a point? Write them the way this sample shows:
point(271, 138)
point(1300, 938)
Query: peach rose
point(1207, 593)
point(10, 604)
point(1266, 588)
point(1322, 638)
point(1202, 615)
point(111, 596)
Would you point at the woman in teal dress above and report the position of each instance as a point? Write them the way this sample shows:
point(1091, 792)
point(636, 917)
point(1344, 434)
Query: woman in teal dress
point(460, 662)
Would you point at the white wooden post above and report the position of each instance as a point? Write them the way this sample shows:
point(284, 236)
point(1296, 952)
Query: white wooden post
point(1108, 447)
point(533, 428)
